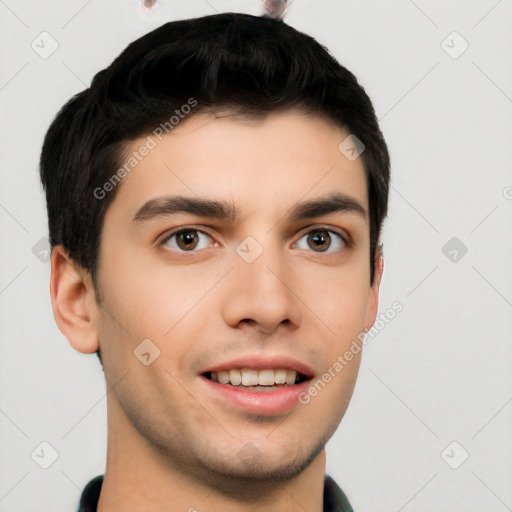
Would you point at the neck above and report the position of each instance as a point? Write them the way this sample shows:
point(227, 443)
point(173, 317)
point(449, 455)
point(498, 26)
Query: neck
point(139, 477)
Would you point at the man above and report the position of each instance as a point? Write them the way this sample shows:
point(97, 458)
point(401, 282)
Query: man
point(215, 202)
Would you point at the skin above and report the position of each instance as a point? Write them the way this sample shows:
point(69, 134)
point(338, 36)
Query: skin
point(171, 446)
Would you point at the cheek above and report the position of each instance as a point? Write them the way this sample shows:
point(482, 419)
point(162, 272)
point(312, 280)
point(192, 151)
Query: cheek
point(168, 306)
point(338, 300)
point(138, 292)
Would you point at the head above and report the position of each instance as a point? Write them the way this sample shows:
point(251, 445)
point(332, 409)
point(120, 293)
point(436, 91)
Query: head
point(243, 115)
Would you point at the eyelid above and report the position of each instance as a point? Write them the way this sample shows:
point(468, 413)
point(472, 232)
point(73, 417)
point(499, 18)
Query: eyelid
point(164, 237)
point(345, 236)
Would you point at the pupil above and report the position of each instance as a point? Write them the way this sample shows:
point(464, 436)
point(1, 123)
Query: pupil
point(320, 239)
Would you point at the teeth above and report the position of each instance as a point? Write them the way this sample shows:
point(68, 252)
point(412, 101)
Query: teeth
point(266, 377)
point(223, 377)
point(290, 378)
point(234, 377)
point(248, 377)
point(280, 376)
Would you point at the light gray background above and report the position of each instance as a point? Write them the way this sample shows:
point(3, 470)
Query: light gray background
point(439, 372)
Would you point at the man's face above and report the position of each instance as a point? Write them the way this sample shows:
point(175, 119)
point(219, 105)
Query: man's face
point(270, 286)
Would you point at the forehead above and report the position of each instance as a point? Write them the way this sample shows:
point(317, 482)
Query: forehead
point(265, 165)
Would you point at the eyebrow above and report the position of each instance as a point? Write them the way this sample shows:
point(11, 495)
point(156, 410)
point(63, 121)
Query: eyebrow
point(227, 211)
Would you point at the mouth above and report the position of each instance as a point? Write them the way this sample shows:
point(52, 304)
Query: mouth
point(257, 380)
point(265, 387)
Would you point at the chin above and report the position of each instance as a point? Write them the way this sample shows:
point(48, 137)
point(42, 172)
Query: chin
point(251, 471)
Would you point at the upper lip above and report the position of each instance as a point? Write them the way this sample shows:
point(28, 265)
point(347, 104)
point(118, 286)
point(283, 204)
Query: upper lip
point(261, 362)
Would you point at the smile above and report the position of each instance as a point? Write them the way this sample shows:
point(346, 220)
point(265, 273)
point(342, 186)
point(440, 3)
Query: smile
point(265, 386)
point(257, 380)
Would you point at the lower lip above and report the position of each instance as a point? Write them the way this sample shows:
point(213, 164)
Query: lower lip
point(274, 402)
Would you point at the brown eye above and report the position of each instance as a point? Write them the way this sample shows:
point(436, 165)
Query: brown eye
point(321, 240)
point(186, 240)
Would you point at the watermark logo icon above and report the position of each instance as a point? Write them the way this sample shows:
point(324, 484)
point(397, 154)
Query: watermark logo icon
point(146, 352)
point(455, 455)
point(454, 249)
point(249, 249)
point(351, 147)
point(41, 250)
point(249, 454)
point(44, 45)
point(44, 455)
point(454, 45)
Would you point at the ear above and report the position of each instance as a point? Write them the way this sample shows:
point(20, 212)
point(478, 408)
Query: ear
point(373, 294)
point(73, 302)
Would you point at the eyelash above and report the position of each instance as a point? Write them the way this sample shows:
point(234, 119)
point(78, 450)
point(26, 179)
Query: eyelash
point(344, 238)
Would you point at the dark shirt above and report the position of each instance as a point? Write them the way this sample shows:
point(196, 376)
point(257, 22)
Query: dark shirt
point(334, 498)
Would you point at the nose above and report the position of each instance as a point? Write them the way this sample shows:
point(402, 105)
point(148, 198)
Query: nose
point(261, 296)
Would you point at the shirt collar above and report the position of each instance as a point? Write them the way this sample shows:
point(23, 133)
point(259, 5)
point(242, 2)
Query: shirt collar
point(334, 498)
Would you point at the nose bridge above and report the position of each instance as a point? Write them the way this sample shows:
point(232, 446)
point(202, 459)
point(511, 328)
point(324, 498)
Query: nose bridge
point(260, 289)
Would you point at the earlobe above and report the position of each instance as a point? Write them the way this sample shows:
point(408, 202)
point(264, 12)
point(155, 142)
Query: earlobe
point(373, 294)
point(73, 302)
